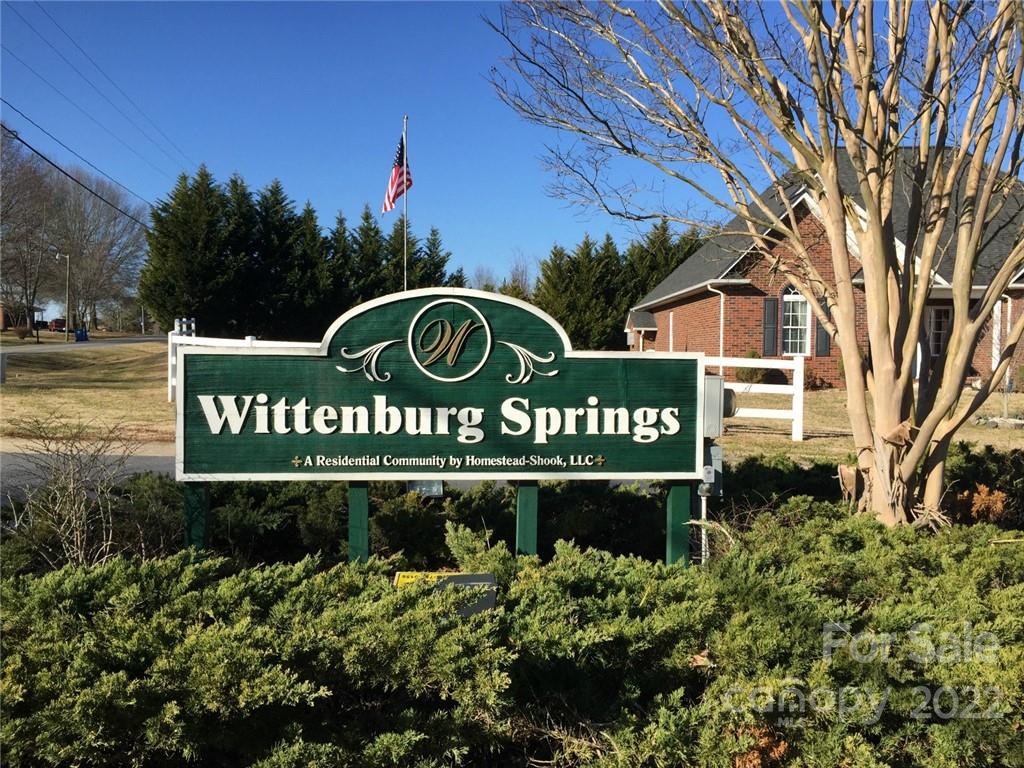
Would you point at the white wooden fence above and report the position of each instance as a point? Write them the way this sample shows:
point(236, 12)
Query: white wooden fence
point(176, 338)
point(794, 414)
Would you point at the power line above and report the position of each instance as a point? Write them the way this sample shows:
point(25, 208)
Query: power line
point(69, 149)
point(67, 98)
point(119, 89)
point(90, 82)
point(90, 190)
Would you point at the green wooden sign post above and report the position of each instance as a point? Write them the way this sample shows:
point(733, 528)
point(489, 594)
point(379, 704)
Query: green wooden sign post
point(358, 522)
point(441, 384)
point(197, 509)
point(526, 518)
point(677, 523)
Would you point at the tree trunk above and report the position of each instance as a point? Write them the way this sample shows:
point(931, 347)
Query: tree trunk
point(886, 494)
point(934, 473)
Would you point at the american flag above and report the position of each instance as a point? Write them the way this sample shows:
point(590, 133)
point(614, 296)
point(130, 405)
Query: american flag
point(401, 178)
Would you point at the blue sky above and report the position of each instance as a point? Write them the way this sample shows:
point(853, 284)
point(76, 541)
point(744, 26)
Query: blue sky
point(309, 93)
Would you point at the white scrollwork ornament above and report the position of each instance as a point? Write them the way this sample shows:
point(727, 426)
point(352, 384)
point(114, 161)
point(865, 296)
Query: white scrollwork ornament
point(527, 360)
point(370, 357)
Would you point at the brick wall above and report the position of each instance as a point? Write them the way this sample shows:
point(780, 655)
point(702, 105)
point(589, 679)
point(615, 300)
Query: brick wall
point(691, 324)
point(1010, 311)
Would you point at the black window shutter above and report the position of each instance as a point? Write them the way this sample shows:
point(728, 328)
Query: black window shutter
point(771, 327)
point(822, 342)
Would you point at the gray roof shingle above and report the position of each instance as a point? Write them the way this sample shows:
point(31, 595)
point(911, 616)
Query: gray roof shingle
point(639, 320)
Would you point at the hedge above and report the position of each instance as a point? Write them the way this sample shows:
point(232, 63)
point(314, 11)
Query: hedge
point(589, 659)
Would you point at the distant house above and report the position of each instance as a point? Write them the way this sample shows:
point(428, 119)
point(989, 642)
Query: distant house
point(729, 279)
point(12, 317)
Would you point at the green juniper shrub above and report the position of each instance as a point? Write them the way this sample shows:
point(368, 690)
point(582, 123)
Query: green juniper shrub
point(23, 544)
point(767, 656)
point(487, 507)
point(277, 522)
point(969, 469)
point(150, 515)
point(756, 485)
point(285, 522)
point(411, 525)
point(590, 659)
point(625, 519)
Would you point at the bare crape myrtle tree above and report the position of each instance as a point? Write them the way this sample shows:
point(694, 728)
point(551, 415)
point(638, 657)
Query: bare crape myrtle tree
point(847, 107)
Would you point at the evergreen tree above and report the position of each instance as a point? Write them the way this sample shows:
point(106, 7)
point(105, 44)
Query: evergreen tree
point(456, 279)
point(186, 273)
point(608, 303)
point(395, 259)
point(367, 278)
point(517, 284)
point(336, 273)
point(652, 259)
point(277, 278)
point(582, 291)
point(550, 292)
point(427, 262)
point(433, 266)
point(253, 266)
point(241, 253)
point(305, 278)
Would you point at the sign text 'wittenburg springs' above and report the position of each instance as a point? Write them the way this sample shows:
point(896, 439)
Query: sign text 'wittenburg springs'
point(438, 383)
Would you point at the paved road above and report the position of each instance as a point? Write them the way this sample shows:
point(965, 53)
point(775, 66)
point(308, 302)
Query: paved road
point(43, 349)
point(16, 470)
point(16, 473)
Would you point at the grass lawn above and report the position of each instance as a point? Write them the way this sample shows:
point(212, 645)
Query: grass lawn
point(10, 339)
point(827, 434)
point(128, 384)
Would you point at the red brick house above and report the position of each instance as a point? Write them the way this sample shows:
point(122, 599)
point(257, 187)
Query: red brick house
point(725, 301)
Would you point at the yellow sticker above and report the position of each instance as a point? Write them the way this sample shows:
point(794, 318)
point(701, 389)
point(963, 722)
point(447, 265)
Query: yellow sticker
point(407, 578)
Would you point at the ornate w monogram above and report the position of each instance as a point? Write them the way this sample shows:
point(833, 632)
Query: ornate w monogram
point(446, 341)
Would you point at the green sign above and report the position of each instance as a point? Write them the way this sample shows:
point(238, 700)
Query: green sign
point(438, 384)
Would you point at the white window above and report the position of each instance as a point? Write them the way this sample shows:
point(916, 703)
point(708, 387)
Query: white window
point(796, 323)
point(940, 320)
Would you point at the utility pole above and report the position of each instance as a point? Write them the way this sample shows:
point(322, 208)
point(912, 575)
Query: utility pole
point(67, 292)
point(67, 299)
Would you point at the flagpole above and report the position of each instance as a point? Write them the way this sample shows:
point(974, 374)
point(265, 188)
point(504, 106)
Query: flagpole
point(405, 227)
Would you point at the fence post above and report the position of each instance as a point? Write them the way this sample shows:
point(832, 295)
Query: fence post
point(3, 367)
point(526, 517)
point(677, 523)
point(358, 522)
point(172, 363)
point(197, 509)
point(798, 399)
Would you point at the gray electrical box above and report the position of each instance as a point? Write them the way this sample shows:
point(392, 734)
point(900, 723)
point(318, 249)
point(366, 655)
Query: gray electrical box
point(719, 404)
point(429, 488)
point(713, 460)
point(714, 391)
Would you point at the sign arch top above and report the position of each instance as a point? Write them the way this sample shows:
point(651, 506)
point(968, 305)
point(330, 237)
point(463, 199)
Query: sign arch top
point(465, 294)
